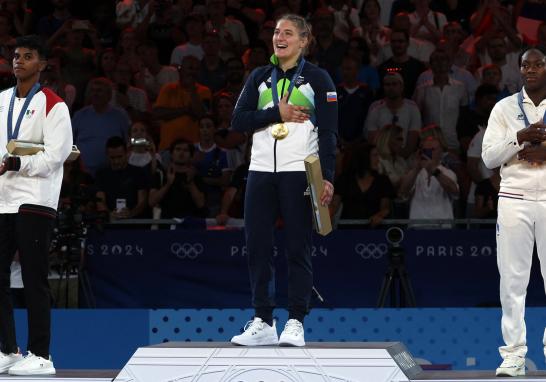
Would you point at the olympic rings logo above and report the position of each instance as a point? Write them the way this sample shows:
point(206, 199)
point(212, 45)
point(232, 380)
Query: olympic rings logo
point(187, 250)
point(371, 251)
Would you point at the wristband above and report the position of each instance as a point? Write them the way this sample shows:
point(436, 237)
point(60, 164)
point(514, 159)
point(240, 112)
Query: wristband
point(11, 163)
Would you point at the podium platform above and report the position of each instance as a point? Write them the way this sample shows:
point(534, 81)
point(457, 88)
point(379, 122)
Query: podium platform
point(223, 362)
point(66, 376)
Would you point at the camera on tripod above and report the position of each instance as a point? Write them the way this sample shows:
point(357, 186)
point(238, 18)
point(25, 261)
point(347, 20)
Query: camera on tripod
point(69, 242)
point(396, 278)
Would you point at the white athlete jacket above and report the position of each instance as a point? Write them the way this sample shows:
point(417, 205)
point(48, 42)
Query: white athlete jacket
point(38, 181)
point(520, 179)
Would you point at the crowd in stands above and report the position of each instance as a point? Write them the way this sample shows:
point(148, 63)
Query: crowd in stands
point(151, 85)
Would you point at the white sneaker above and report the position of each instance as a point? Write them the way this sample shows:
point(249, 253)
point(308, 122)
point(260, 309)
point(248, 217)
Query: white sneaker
point(33, 365)
point(293, 334)
point(8, 360)
point(257, 333)
point(511, 367)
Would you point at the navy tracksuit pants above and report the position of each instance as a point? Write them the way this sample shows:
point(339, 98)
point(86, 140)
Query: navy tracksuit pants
point(269, 196)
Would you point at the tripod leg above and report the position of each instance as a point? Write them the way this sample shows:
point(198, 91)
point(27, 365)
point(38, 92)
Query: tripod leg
point(407, 289)
point(385, 286)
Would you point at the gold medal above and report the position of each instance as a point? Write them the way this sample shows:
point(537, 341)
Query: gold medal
point(279, 131)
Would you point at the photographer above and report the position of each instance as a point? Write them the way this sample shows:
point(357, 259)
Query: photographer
point(430, 185)
point(181, 192)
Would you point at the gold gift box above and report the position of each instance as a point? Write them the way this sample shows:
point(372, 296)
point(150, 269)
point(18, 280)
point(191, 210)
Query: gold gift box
point(17, 147)
point(321, 214)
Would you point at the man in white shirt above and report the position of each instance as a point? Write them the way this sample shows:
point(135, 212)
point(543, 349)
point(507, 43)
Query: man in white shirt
point(193, 25)
point(440, 99)
point(514, 140)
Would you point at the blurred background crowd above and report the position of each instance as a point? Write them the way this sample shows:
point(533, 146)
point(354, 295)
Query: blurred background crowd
point(151, 85)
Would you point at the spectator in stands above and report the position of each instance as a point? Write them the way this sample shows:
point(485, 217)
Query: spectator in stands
point(454, 36)
point(162, 29)
point(255, 56)
point(328, 50)
point(426, 24)
point(106, 63)
point(374, 33)
point(194, 28)
point(358, 49)
point(472, 120)
point(440, 100)
point(249, 14)
point(131, 13)
point(51, 78)
point(457, 73)
point(492, 75)
point(233, 142)
point(345, 18)
point(6, 30)
point(490, 20)
point(476, 119)
point(104, 19)
point(213, 71)
point(394, 109)
point(21, 15)
point(77, 62)
point(134, 100)
point(362, 192)
point(498, 54)
point(233, 37)
point(430, 186)
point(154, 75)
point(354, 99)
point(401, 62)
point(235, 77)
point(419, 49)
point(181, 192)
point(266, 34)
point(142, 148)
point(233, 199)
point(128, 43)
point(390, 143)
point(93, 125)
point(486, 196)
point(211, 164)
point(180, 105)
point(122, 189)
point(48, 25)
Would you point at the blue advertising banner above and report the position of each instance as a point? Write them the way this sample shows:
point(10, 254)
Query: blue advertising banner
point(207, 269)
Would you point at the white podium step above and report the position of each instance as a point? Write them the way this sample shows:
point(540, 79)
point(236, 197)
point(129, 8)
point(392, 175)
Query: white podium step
point(316, 362)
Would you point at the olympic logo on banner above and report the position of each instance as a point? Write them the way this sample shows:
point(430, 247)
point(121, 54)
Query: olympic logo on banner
point(371, 250)
point(187, 250)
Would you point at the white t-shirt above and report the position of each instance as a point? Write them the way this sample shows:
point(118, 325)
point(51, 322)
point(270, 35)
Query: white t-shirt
point(408, 117)
point(430, 200)
point(441, 107)
point(187, 49)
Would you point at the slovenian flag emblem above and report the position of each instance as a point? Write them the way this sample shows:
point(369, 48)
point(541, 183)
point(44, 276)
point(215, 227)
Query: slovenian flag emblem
point(331, 97)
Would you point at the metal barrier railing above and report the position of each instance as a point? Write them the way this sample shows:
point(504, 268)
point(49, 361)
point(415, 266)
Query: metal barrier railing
point(239, 223)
